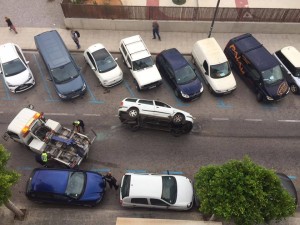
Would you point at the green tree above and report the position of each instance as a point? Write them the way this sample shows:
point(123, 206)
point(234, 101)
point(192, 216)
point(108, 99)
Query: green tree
point(7, 179)
point(243, 192)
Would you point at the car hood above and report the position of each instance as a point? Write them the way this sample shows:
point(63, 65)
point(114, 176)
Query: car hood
point(19, 79)
point(191, 88)
point(110, 75)
point(185, 192)
point(95, 187)
point(222, 84)
point(70, 86)
point(147, 76)
point(278, 90)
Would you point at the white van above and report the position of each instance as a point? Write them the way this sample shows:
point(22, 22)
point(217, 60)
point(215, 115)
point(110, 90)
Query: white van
point(138, 59)
point(213, 65)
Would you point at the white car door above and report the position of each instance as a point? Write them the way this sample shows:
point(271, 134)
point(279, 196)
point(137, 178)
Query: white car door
point(162, 109)
point(146, 107)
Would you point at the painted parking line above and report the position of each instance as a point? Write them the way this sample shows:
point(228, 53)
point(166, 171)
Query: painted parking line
point(172, 172)
point(7, 92)
point(86, 114)
point(254, 120)
point(94, 100)
point(59, 114)
point(292, 177)
point(269, 107)
point(125, 83)
point(100, 170)
point(289, 121)
point(136, 171)
point(50, 99)
point(220, 119)
point(222, 104)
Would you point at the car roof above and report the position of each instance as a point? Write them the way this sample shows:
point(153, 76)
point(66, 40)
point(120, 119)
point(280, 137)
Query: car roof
point(136, 47)
point(292, 54)
point(53, 50)
point(259, 56)
point(212, 50)
point(95, 47)
point(144, 185)
point(8, 52)
point(50, 180)
point(175, 58)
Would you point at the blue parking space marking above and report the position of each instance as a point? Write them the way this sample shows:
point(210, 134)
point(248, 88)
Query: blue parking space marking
point(51, 99)
point(292, 177)
point(222, 104)
point(100, 170)
point(94, 100)
point(172, 172)
point(24, 168)
point(136, 171)
point(7, 92)
point(269, 106)
point(125, 83)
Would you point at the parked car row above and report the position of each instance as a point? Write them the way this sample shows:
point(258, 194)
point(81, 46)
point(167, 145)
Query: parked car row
point(269, 76)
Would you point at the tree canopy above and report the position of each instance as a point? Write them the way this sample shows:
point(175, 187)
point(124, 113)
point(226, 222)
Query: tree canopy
point(243, 192)
point(7, 177)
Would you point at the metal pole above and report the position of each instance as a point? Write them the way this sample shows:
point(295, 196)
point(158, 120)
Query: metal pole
point(213, 21)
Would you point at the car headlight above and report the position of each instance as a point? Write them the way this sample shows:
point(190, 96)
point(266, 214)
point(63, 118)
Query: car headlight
point(185, 95)
point(83, 87)
point(189, 205)
point(29, 77)
point(62, 96)
point(201, 89)
point(269, 98)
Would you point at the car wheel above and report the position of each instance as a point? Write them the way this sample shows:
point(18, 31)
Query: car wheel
point(187, 127)
point(294, 89)
point(259, 97)
point(178, 118)
point(133, 113)
point(210, 89)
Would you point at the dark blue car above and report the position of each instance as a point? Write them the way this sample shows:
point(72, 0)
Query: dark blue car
point(66, 186)
point(179, 73)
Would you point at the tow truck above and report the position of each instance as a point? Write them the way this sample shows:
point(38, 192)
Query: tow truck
point(64, 146)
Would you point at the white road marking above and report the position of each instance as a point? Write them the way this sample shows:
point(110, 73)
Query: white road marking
point(255, 120)
point(220, 119)
point(60, 114)
point(91, 114)
point(289, 121)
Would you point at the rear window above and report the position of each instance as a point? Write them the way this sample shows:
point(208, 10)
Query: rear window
point(169, 189)
point(126, 186)
point(130, 99)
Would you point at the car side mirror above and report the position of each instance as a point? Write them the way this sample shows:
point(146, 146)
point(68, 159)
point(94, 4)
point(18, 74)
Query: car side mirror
point(116, 59)
point(27, 62)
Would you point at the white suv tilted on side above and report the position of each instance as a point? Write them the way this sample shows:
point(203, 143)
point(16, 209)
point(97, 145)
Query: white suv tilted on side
point(134, 108)
point(138, 59)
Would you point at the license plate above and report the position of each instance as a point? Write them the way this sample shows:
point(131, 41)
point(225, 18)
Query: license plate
point(152, 87)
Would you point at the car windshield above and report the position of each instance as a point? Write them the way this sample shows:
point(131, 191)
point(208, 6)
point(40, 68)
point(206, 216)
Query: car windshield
point(64, 73)
point(169, 189)
point(104, 60)
point(220, 70)
point(142, 63)
point(13, 67)
point(185, 75)
point(76, 183)
point(273, 75)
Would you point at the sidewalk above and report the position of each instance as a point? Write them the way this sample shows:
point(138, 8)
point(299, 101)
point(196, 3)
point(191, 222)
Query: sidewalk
point(111, 39)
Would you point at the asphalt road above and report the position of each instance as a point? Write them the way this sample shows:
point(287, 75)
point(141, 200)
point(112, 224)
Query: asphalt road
point(227, 127)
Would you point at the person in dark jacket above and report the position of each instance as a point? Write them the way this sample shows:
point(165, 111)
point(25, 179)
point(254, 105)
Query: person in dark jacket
point(111, 181)
point(75, 38)
point(155, 30)
point(10, 24)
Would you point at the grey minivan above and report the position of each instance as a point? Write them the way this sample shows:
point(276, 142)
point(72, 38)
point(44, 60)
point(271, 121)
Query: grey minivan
point(65, 73)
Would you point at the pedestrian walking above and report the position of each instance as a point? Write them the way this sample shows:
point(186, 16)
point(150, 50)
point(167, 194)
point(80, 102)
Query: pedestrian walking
point(155, 30)
point(77, 124)
point(75, 36)
point(10, 24)
point(111, 181)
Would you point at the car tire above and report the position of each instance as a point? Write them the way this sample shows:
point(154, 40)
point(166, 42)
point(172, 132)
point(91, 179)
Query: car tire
point(259, 97)
point(133, 113)
point(210, 89)
point(294, 89)
point(187, 127)
point(178, 118)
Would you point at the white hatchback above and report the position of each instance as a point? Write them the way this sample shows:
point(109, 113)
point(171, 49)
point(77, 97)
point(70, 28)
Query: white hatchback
point(104, 65)
point(162, 191)
point(15, 69)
